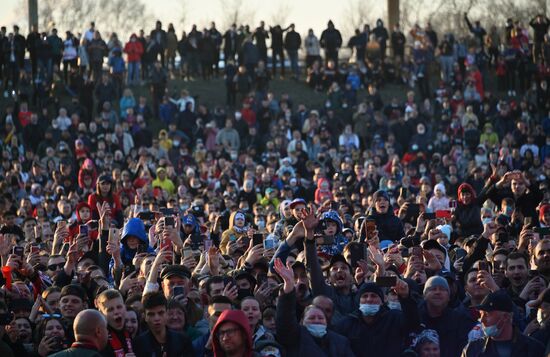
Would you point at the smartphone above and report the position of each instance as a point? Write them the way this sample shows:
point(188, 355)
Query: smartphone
point(35, 249)
point(269, 244)
point(386, 281)
point(142, 248)
point(113, 234)
point(527, 221)
point(169, 221)
point(20, 251)
point(483, 265)
point(178, 290)
point(452, 204)
point(187, 252)
point(429, 215)
point(166, 211)
point(370, 226)
point(83, 230)
point(147, 215)
point(403, 192)
point(257, 239)
point(207, 244)
point(460, 253)
point(357, 252)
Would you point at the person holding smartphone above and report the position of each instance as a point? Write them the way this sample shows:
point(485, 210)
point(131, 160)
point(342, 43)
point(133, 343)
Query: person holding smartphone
point(237, 229)
point(388, 225)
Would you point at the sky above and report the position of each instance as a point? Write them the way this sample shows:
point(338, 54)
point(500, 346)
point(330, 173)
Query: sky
point(305, 13)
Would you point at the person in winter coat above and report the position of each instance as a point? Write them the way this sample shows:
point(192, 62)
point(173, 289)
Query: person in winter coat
point(371, 327)
point(311, 337)
point(133, 236)
point(83, 216)
point(466, 217)
point(451, 325)
point(237, 229)
point(134, 51)
point(231, 335)
point(293, 42)
point(389, 226)
point(323, 192)
point(97, 50)
point(105, 192)
point(313, 48)
point(331, 41)
point(439, 201)
point(333, 226)
point(515, 185)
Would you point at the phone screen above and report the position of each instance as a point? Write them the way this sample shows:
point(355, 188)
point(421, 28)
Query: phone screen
point(386, 281)
point(257, 239)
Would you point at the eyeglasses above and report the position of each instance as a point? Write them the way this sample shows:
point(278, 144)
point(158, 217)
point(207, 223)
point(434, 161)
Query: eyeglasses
point(51, 316)
point(54, 267)
point(229, 332)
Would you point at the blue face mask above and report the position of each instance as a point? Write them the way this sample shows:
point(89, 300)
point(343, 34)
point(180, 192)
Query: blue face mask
point(487, 220)
point(491, 331)
point(394, 305)
point(369, 309)
point(316, 330)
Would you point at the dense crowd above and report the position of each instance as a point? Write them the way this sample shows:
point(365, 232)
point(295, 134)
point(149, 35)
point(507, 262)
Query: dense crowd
point(415, 226)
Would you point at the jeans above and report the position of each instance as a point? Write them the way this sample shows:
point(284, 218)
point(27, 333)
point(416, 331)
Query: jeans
point(133, 72)
point(446, 67)
point(293, 56)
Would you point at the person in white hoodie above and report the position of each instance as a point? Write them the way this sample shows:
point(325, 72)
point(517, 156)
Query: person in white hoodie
point(439, 200)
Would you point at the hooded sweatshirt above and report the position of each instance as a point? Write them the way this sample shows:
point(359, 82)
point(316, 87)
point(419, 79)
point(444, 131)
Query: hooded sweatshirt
point(340, 240)
point(436, 204)
point(323, 194)
point(232, 231)
point(468, 216)
point(237, 317)
point(134, 227)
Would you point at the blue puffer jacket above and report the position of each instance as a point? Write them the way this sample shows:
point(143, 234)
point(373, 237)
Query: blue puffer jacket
point(339, 240)
point(134, 227)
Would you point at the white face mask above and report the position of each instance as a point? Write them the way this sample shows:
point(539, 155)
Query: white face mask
point(369, 309)
point(394, 305)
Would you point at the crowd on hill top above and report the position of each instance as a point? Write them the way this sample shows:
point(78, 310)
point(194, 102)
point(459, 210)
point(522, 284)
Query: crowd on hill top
point(407, 226)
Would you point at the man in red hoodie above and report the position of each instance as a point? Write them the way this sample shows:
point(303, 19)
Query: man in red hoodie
point(232, 337)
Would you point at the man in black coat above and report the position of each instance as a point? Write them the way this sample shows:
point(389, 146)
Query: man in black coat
point(159, 340)
point(331, 41)
point(501, 338)
point(293, 41)
point(158, 36)
point(260, 36)
point(375, 330)
point(230, 42)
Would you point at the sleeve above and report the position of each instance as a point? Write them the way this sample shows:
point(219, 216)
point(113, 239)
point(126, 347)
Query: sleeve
point(282, 252)
point(287, 327)
point(411, 316)
point(316, 278)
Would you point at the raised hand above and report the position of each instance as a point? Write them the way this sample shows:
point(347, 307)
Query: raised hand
point(286, 273)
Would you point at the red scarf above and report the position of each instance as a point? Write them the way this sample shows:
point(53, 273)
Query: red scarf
point(116, 344)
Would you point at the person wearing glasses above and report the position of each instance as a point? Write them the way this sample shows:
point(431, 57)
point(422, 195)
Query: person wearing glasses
point(231, 335)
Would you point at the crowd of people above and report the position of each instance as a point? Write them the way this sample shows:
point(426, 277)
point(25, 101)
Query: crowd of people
point(415, 226)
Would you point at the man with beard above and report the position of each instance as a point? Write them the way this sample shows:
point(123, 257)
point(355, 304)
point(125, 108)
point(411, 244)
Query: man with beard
point(111, 305)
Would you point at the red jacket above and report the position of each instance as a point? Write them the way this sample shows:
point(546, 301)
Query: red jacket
point(237, 317)
point(134, 50)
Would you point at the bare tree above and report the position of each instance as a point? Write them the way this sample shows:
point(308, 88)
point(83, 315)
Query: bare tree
point(355, 15)
point(235, 12)
point(280, 15)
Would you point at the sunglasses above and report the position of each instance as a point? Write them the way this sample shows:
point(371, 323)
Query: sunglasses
point(51, 316)
point(54, 267)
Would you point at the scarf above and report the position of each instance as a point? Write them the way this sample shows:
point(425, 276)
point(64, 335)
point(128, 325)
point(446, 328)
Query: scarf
point(116, 344)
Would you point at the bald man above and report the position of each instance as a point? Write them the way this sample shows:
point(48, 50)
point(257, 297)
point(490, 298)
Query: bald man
point(90, 331)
